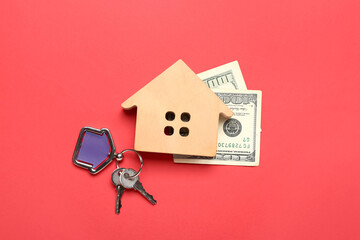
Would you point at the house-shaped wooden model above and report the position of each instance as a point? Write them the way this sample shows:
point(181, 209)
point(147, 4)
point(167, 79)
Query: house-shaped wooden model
point(177, 113)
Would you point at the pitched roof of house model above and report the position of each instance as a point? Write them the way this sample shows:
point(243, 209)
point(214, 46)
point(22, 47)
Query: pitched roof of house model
point(177, 80)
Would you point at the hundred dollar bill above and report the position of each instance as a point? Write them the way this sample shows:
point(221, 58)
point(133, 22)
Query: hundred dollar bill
point(239, 136)
point(227, 76)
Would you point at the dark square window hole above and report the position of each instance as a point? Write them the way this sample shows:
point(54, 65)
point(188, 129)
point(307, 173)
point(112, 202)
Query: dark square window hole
point(184, 131)
point(185, 117)
point(170, 116)
point(168, 130)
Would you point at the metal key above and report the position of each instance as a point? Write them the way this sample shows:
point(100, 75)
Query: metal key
point(115, 177)
point(134, 183)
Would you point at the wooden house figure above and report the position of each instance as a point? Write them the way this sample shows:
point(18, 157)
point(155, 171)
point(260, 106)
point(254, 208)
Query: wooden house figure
point(177, 113)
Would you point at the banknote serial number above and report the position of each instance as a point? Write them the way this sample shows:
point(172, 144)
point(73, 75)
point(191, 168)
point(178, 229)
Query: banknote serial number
point(244, 144)
point(234, 145)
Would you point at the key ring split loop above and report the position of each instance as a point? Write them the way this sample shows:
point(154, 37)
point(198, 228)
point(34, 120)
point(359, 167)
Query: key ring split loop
point(120, 156)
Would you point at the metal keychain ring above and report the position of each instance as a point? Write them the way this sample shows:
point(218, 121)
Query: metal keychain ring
point(140, 158)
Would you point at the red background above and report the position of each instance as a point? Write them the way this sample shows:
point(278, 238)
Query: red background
point(65, 64)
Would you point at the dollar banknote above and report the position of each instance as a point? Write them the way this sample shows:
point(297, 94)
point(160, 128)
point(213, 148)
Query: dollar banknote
point(238, 137)
point(227, 76)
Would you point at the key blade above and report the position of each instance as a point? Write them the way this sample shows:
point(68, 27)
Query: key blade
point(139, 187)
point(120, 190)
